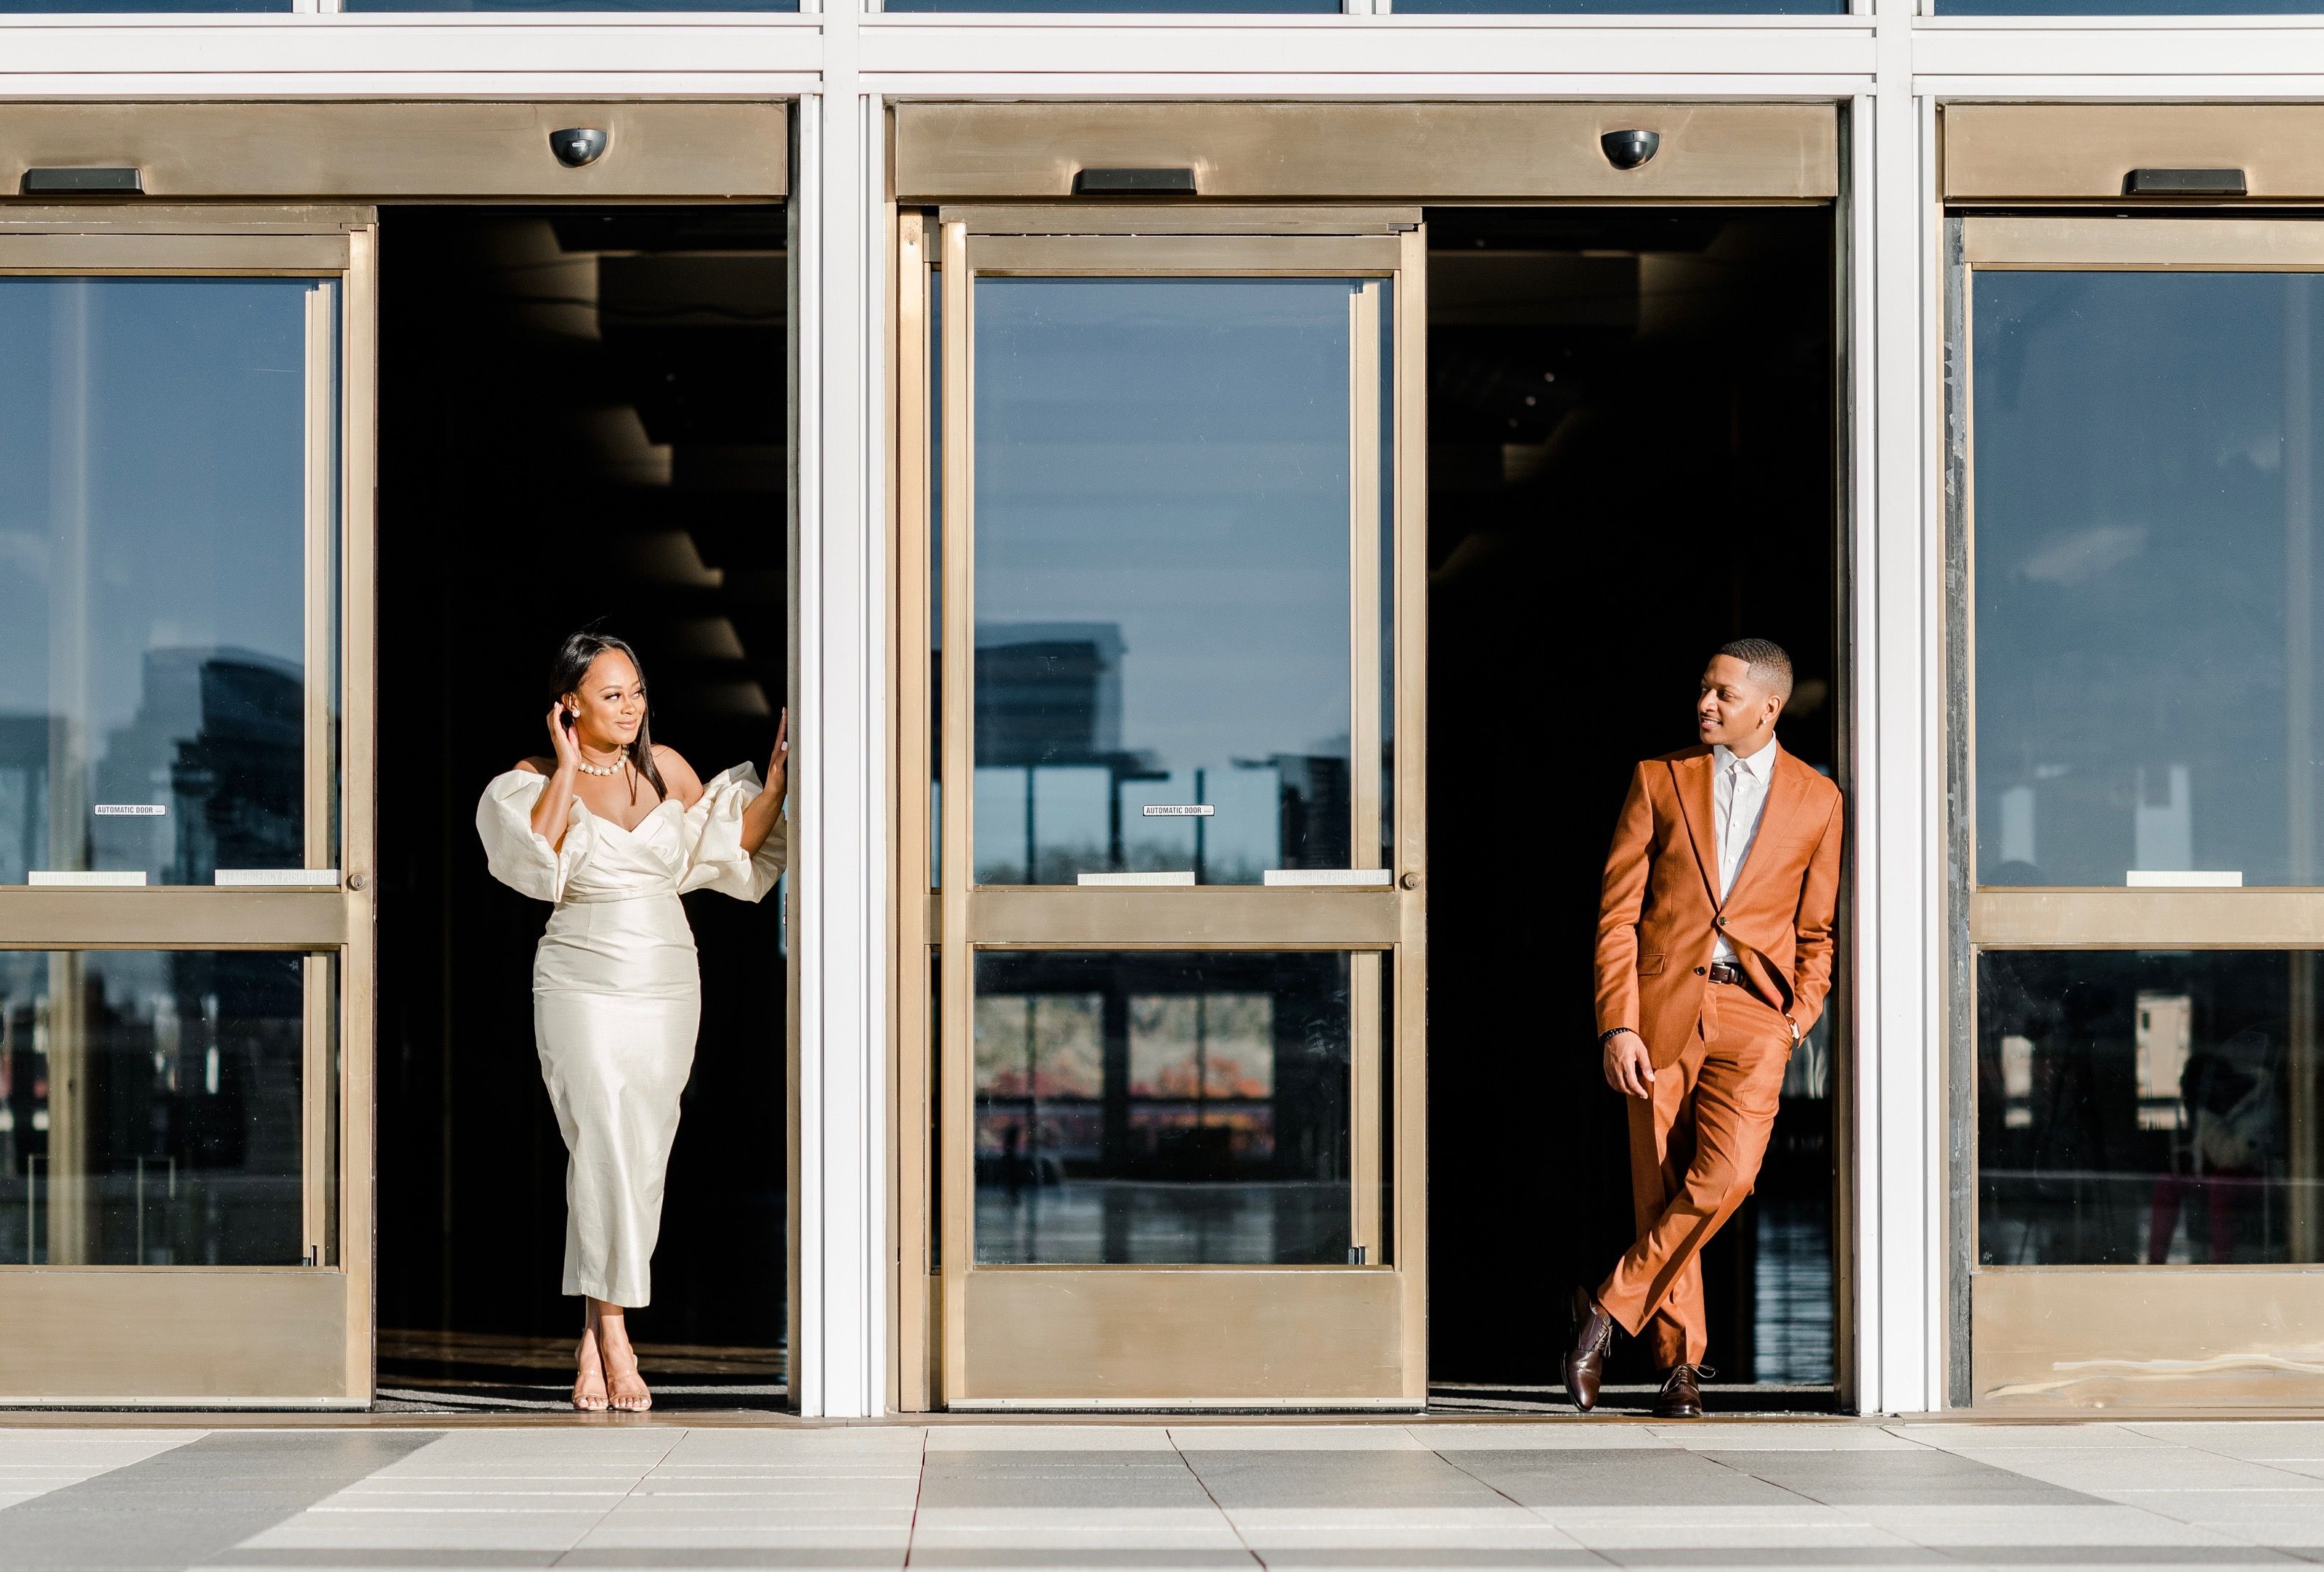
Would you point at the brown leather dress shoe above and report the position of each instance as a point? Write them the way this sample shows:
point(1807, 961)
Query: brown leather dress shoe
point(1681, 1397)
point(1585, 1361)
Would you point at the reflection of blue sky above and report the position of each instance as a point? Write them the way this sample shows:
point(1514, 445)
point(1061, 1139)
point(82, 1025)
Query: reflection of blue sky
point(2122, 7)
point(1105, 8)
point(1171, 457)
point(195, 465)
point(176, 407)
point(2134, 527)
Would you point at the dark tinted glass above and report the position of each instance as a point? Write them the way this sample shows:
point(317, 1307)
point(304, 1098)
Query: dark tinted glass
point(2148, 1107)
point(1159, 1107)
point(152, 1109)
point(2145, 484)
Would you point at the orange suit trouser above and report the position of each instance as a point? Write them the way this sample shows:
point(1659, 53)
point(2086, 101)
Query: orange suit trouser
point(1695, 1146)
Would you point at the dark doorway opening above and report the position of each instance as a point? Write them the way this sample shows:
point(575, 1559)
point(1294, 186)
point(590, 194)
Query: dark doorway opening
point(1632, 459)
point(583, 416)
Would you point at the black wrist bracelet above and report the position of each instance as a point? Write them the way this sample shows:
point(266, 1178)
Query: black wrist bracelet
point(1606, 1037)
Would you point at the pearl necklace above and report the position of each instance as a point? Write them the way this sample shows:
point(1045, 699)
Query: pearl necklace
point(613, 769)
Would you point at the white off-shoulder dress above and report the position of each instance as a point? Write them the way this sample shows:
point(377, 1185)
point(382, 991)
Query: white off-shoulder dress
point(617, 995)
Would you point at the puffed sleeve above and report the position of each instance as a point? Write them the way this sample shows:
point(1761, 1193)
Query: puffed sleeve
point(519, 855)
point(715, 858)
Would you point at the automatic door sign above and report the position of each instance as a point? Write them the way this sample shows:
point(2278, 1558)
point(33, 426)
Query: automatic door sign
point(131, 809)
point(1177, 811)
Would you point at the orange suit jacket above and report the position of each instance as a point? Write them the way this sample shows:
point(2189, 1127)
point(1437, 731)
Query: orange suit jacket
point(1659, 910)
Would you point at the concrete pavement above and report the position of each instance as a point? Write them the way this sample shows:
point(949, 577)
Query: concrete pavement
point(1149, 1497)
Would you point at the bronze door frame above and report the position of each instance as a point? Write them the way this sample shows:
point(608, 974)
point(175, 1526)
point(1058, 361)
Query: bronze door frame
point(227, 1336)
point(2066, 1338)
point(1377, 1309)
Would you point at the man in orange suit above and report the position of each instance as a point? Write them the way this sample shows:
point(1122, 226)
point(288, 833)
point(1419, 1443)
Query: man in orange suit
point(1714, 956)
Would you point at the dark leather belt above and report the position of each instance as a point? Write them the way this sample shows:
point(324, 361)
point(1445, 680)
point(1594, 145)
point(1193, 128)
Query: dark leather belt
point(1727, 972)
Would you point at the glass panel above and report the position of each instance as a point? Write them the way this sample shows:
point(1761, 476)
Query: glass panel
point(2119, 7)
point(1385, 399)
point(120, 8)
point(570, 5)
point(1165, 486)
point(152, 1108)
point(154, 481)
point(2145, 485)
point(1162, 1107)
point(936, 569)
point(1626, 7)
point(1212, 7)
point(2148, 1107)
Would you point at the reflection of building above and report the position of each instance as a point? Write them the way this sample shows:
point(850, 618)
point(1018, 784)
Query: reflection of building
point(1315, 810)
point(1049, 693)
point(1049, 704)
point(1129, 1103)
point(2162, 832)
point(24, 795)
point(2138, 1106)
point(151, 1109)
point(217, 739)
point(217, 742)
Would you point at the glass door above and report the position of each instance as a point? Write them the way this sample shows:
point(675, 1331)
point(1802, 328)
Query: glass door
point(185, 921)
point(2136, 469)
point(1178, 820)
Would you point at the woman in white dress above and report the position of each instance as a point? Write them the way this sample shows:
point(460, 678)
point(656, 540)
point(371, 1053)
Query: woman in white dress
point(611, 829)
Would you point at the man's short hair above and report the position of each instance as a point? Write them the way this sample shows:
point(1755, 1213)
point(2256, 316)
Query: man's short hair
point(1771, 668)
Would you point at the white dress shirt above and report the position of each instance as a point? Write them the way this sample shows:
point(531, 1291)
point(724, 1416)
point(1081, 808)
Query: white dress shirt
point(1738, 795)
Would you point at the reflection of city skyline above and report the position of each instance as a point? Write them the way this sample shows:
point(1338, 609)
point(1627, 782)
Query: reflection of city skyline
point(179, 1142)
point(1059, 793)
point(216, 740)
point(1194, 1100)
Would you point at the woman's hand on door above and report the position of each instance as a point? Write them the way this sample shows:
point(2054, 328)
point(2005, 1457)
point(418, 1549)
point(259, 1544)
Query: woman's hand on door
point(779, 762)
point(759, 815)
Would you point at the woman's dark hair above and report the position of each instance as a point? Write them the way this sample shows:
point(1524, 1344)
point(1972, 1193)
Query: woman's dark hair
point(572, 665)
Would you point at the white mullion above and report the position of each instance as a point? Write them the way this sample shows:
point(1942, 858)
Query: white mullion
point(1865, 1084)
point(874, 925)
point(1926, 414)
point(840, 1352)
point(1899, 804)
point(807, 876)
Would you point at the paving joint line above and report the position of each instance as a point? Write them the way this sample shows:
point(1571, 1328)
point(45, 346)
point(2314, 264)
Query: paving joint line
point(1534, 1513)
point(2138, 1428)
point(677, 1434)
point(2134, 1428)
point(919, 1489)
point(1169, 1434)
